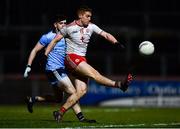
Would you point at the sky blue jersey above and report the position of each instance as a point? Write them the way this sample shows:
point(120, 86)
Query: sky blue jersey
point(56, 57)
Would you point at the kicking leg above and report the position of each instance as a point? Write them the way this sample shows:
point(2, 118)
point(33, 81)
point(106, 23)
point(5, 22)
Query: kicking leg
point(86, 70)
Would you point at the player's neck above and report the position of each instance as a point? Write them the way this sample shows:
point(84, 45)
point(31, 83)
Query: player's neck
point(79, 23)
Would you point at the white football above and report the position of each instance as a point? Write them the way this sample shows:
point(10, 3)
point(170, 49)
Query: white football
point(146, 48)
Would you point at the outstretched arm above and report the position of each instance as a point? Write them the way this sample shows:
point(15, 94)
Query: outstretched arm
point(109, 37)
point(53, 43)
point(112, 39)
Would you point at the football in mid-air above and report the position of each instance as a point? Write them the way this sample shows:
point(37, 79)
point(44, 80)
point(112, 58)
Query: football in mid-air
point(146, 48)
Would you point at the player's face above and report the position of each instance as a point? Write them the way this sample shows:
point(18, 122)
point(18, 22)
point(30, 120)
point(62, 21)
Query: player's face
point(60, 25)
point(86, 18)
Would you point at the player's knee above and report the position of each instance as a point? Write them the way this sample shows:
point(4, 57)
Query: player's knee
point(78, 96)
point(82, 92)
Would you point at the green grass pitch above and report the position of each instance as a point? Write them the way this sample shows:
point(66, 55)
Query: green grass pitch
point(16, 116)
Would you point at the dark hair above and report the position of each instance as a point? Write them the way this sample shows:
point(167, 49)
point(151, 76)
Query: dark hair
point(83, 9)
point(58, 18)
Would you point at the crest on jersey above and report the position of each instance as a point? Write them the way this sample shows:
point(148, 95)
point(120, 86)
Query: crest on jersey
point(77, 60)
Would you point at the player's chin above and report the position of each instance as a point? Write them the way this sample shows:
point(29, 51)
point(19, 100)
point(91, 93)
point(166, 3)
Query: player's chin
point(86, 24)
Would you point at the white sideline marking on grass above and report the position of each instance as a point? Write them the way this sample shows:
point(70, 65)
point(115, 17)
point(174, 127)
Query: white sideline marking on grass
point(131, 125)
point(164, 124)
point(114, 126)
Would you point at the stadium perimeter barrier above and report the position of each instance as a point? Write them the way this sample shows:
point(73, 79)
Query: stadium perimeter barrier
point(146, 92)
point(149, 93)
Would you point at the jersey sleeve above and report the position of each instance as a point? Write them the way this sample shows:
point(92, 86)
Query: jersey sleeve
point(43, 40)
point(96, 29)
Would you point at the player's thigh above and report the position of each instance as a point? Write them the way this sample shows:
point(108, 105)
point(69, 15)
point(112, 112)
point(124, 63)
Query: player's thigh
point(64, 81)
point(53, 81)
point(86, 70)
point(67, 85)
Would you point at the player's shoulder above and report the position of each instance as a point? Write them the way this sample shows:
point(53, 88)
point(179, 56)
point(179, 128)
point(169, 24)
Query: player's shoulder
point(71, 24)
point(49, 35)
point(92, 25)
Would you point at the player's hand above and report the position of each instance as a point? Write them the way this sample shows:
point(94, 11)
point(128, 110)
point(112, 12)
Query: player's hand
point(27, 70)
point(121, 45)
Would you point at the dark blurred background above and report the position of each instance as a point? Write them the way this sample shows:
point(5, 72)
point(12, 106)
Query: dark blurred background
point(22, 22)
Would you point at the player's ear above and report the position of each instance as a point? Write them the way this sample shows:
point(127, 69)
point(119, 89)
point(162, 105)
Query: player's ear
point(80, 16)
point(55, 25)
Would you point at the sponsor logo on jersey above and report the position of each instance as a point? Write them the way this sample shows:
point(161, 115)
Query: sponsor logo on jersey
point(75, 31)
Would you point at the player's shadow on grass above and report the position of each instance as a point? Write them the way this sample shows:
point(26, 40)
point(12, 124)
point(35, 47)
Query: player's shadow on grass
point(68, 121)
point(47, 120)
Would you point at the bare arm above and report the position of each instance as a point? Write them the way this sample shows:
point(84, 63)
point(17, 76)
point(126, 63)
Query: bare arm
point(53, 43)
point(33, 53)
point(109, 37)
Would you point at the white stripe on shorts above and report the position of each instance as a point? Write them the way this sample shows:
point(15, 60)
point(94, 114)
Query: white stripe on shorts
point(64, 79)
point(58, 76)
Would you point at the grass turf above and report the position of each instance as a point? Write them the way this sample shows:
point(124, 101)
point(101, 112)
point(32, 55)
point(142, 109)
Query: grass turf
point(16, 116)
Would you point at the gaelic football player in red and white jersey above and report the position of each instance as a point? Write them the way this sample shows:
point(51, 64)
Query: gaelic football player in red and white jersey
point(78, 34)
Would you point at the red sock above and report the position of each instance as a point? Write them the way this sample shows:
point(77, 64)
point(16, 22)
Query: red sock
point(62, 110)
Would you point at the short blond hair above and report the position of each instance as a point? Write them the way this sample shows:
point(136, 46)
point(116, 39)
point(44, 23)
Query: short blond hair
point(83, 9)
